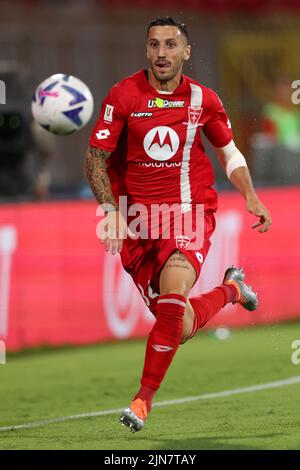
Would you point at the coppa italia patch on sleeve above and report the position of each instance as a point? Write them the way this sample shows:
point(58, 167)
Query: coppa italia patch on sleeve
point(108, 115)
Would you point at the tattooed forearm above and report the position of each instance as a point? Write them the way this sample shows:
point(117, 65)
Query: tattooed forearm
point(95, 170)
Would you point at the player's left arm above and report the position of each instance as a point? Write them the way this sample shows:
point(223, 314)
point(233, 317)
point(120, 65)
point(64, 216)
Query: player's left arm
point(218, 131)
point(235, 166)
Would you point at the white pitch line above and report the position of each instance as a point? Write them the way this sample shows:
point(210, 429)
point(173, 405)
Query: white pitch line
point(206, 396)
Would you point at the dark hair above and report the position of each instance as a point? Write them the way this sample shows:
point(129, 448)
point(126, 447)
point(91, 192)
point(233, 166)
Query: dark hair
point(168, 21)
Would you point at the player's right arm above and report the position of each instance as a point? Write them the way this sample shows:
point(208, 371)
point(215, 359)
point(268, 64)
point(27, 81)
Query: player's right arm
point(113, 227)
point(103, 141)
point(95, 170)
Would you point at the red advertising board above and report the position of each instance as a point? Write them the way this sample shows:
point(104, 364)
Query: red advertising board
point(58, 286)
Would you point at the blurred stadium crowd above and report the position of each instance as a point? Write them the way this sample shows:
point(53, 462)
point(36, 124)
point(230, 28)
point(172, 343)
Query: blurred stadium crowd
point(246, 50)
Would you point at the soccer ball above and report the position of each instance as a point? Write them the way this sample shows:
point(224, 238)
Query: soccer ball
point(62, 104)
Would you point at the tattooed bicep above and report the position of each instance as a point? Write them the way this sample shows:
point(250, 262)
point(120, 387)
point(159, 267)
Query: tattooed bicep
point(94, 152)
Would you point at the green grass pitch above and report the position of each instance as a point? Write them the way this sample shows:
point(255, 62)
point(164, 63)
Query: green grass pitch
point(57, 383)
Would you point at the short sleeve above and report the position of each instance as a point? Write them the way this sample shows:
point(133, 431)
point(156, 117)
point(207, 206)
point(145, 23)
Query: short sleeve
point(218, 127)
point(111, 121)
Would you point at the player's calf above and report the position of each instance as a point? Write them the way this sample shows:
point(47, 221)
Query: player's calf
point(162, 344)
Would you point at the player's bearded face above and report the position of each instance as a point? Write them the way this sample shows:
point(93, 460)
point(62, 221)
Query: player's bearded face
point(167, 50)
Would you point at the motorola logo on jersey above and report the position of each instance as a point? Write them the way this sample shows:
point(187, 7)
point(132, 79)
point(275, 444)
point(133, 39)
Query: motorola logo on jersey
point(158, 164)
point(161, 143)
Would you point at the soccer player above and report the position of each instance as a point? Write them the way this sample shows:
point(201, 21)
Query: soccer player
point(147, 146)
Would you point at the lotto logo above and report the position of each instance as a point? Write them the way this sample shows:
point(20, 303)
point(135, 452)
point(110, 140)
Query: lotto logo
point(102, 134)
point(199, 257)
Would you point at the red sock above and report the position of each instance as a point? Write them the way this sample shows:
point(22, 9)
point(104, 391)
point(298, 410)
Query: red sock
point(207, 305)
point(162, 344)
point(146, 393)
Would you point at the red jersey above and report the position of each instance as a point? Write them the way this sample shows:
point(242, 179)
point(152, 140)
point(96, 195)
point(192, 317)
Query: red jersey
point(155, 139)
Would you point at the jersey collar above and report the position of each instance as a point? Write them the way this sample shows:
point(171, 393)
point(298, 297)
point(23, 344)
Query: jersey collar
point(180, 89)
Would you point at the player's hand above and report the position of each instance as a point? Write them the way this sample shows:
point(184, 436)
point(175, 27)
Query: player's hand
point(254, 206)
point(113, 231)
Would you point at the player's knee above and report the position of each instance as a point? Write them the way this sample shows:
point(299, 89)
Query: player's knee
point(175, 286)
point(186, 332)
point(184, 339)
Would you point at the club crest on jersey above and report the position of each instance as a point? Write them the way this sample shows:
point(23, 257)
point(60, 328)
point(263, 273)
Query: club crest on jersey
point(182, 241)
point(161, 103)
point(194, 114)
point(108, 114)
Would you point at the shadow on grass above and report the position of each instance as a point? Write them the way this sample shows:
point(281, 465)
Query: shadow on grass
point(212, 443)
